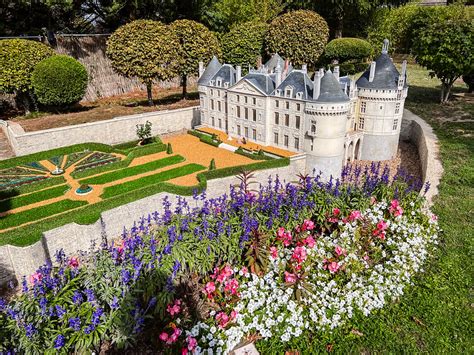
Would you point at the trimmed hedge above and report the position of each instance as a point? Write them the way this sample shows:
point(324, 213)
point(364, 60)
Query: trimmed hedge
point(205, 138)
point(19, 218)
point(59, 80)
point(139, 169)
point(252, 156)
point(35, 186)
point(344, 49)
point(19, 201)
point(151, 179)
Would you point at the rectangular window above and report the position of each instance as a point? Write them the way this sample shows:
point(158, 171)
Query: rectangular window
point(254, 134)
point(363, 107)
point(212, 104)
point(361, 122)
point(254, 100)
point(277, 118)
point(245, 98)
point(220, 123)
point(218, 93)
point(395, 124)
point(212, 92)
point(246, 132)
point(312, 144)
point(298, 122)
point(254, 115)
point(239, 131)
point(246, 113)
point(297, 143)
point(287, 120)
point(397, 108)
point(288, 105)
point(275, 138)
point(213, 121)
point(238, 98)
point(298, 107)
point(286, 141)
point(276, 103)
point(219, 107)
point(238, 111)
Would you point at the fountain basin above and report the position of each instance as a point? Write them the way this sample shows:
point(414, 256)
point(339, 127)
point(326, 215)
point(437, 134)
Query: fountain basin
point(83, 190)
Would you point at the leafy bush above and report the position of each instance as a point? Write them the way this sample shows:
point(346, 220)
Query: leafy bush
point(299, 36)
point(144, 132)
point(59, 80)
point(469, 80)
point(243, 44)
point(346, 49)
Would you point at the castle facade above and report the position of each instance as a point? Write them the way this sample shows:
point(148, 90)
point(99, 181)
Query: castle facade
point(332, 119)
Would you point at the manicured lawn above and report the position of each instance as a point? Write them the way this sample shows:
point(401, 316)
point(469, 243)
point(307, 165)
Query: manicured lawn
point(23, 200)
point(139, 169)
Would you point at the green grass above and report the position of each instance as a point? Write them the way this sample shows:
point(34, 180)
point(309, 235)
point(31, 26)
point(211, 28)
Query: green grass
point(151, 179)
point(23, 200)
point(35, 186)
point(139, 169)
point(20, 218)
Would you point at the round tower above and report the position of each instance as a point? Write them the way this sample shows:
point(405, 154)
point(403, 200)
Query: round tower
point(325, 125)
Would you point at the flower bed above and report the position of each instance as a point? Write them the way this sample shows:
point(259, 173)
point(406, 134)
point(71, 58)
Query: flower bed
point(96, 159)
point(273, 264)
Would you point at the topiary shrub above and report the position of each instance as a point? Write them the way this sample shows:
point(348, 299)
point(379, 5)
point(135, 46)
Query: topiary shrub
point(169, 149)
point(243, 44)
point(18, 58)
point(59, 81)
point(299, 36)
point(346, 49)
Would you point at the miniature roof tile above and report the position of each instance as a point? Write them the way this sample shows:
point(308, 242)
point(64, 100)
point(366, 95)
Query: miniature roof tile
point(274, 61)
point(300, 82)
point(227, 73)
point(211, 69)
point(262, 81)
point(386, 75)
point(331, 90)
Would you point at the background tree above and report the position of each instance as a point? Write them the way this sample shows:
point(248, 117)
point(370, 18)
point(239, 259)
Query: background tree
point(243, 44)
point(299, 36)
point(145, 49)
point(446, 48)
point(197, 43)
point(18, 58)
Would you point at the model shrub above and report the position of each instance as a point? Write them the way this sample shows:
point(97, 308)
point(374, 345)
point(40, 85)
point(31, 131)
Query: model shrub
point(196, 43)
point(59, 80)
point(212, 165)
point(345, 49)
point(169, 149)
point(299, 36)
point(145, 49)
point(243, 44)
point(144, 132)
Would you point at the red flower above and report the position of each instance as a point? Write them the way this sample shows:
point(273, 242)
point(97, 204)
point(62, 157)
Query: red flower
point(73, 262)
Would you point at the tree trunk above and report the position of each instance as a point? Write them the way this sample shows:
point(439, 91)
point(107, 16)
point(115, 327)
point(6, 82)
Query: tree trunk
point(442, 92)
point(22, 101)
point(184, 79)
point(149, 94)
point(339, 26)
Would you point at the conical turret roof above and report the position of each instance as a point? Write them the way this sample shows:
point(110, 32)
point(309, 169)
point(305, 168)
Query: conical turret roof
point(330, 89)
point(386, 75)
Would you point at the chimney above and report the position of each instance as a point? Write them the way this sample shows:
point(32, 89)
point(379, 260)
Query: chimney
point(238, 74)
point(321, 72)
point(277, 75)
point(259, 62)
point(336, 72)
point(385, 45)
point(304, 68)
point(285, 69)
point(372, 72)
point(201, 69)
point(317, 84)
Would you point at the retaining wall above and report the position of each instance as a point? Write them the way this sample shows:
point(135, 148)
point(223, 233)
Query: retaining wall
point(114, 131)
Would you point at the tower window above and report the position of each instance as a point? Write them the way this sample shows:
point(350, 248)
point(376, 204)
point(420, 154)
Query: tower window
point(275, 138)
point(220, 123)
point(361, 122)
point(313, 127)
point(395, 124)
point(238, 98)
point(397, 108)
point(312, 144)
point(213, 121)
point(363, 107)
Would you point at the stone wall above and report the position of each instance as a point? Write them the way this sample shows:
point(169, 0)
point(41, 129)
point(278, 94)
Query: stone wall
point(114, 131)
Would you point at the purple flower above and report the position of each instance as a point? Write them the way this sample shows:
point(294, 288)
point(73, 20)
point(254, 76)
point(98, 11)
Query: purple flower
point(30, 330)
point(96, 316)
point(89, 329)
point(90, 295)
point(60, 311)
point(59, 342)
point(115, 303)
point(77, 297)
point(75, 323)
point(60, 256)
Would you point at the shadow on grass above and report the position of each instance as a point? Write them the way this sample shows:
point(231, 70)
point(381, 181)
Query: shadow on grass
point(5, 199)
point(165, 100)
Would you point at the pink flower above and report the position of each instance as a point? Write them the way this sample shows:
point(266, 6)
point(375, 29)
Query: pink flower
point(366, 257)
point(231, 286)
point(309, 241)
point(244, 270)
point(175, 308)
point(308, 225)
point(215, 273)
point(222, 319)
point(36, 278)
point(120, 246)
point(163, 336)
point(192, 343)
point(355, 215)
point(274, 252)
point(284, 236)
point(290, 278)
point(299, 254)
point(184, 351)
point(73, 262)
point(210, 288)
point(233, 314)
point(280, 232)
point(339, 251)
point(225, 273)
point(336, 211)
point(333, 267)
point(395, 208)
point(382, 225)
point(434, 217)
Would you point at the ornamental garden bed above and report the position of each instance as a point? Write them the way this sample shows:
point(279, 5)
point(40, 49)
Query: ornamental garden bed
point(276, 266)
point(33, 200)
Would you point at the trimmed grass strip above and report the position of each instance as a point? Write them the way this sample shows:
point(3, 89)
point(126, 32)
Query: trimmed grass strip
point(20, 218)
point(151, 180)
point(20, 201)
point(35, 186)
point(127, 172)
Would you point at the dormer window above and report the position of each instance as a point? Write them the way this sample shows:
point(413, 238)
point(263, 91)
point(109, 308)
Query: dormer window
point(278, 92)
point(219, 81)
point(299, 95)
point(226, 84)
point(212, 82)
point(289, 91)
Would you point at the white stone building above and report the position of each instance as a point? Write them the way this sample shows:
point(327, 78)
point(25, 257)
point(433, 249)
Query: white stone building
point(330, 118)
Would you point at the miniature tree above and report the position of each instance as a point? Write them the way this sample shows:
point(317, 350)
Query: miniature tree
point(299, 36)
point(243, 44)
point(145, 49)
point(196, 43)
point(169, 149)
point(212, 166)
point(144, 132)
point(18, 58)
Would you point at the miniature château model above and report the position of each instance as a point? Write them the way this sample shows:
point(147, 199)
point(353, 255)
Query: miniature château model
point(332, 119)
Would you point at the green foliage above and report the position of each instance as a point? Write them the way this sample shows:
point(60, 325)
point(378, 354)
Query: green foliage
point(205, 138)
point(243, 44)
point(446, 48)
point(345, 49)
point(138, 169)
point(18, 58)
point(299, 36)
point(19, 201)
point(35, 186)
point(59, 80)
point(212, 165)
point(144, 132)
point(469, 80)
point(169, 149)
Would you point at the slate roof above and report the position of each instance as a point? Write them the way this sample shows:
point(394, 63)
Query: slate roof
point(273, 62)
point(300, 82)
point(262, 81)
point(386, 75)
point(227, 73)
point(211, 69)
point(331, 90)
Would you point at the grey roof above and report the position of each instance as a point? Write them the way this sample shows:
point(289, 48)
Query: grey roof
point(331, 90)
point(386, 75)
point(273, 62)
point(300, 82)
point(262, 81)
point(211, 69)
point(227, 73)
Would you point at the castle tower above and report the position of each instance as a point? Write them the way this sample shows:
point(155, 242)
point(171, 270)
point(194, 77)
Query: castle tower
point(381, 96)
point(325, 126)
